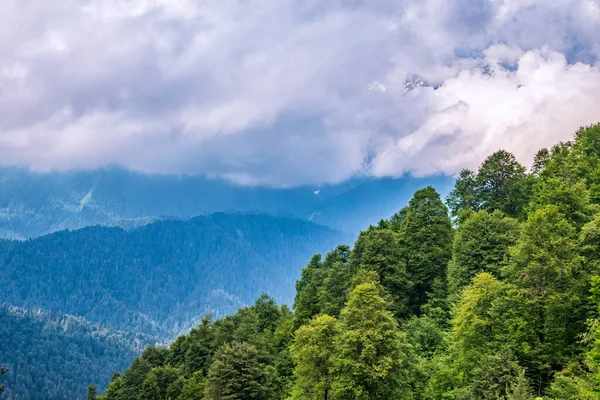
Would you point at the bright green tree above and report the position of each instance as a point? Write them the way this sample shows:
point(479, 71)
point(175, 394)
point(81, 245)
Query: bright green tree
point(372, 359)
point(312, 352)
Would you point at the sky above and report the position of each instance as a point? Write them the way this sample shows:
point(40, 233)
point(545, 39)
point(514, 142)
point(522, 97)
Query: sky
point(292, 92)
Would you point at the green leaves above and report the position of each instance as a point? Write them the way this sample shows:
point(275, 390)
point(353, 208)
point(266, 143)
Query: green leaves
point(372, 359)
point(312, 353)
point(237, 373)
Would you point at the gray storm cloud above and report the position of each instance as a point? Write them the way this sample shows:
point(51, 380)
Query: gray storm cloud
point(292, 92)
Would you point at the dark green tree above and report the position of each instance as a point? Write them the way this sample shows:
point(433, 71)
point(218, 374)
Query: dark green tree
point(92, 392)
point(198, 347)
point(463, 195)
point(237, 373)
point(267, 312)
point(306, 302)
point(3, 370)
point(501, 184)
point(161, 383)
point(480, 245)
point(378, 250)
point(133, 379)
point(425, 243)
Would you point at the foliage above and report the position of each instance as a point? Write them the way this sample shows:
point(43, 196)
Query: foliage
point(312, 353)
point(504, 307)
point(372, 358)
point(480, 245)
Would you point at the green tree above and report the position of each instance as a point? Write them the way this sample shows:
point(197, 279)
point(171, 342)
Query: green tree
point(372, 359)
point(160, 384)
point(425, 243)
point(545, 265)
point(267, 312)
point(306, 302)
point(115, 387)
point(480, 245)
point(336, 281)
point(193, 387)
point(586, 155)
point(133, 379)
point(92, 392)
point(312, 352)
point(378, 250)
point(198, 347)
point(541, 159)
point(502, 184)
point(463, 195)
point(238, 373)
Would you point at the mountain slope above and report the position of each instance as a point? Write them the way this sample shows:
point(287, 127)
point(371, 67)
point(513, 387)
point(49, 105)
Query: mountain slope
point(160, 278)
point(55, 356)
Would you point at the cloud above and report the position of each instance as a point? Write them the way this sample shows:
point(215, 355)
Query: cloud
point(292, 92)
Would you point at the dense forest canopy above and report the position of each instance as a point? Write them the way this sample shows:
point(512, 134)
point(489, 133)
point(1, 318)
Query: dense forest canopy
point(55, 356)
point(159, 278)
point(500, 302)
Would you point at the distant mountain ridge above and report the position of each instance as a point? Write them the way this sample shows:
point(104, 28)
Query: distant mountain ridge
point(33, 204)
point(160, 278)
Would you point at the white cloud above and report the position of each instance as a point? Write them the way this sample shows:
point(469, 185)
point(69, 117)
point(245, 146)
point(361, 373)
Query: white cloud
point(292, 91)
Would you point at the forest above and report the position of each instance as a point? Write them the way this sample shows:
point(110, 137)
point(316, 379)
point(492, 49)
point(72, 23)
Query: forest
point(493, 295)
point(159, 278)
point(55, 356)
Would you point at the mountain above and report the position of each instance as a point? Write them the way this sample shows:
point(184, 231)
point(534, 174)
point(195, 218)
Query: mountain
point(160, 278)
point(33, 204)
point(54, 356)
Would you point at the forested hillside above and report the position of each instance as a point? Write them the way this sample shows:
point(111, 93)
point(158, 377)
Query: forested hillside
point(500, 302)
point(55, 356)
point(33, 204)
point(160, 278)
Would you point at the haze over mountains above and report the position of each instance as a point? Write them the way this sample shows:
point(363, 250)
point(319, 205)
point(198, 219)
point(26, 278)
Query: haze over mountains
point(33, 204)
point(111, 260)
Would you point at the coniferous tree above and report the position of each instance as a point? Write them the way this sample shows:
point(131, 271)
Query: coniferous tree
point(463, 195)
point(425, 243)
point(306, 302)
point(379, 250)
point(480, 245)
point(92, 392)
